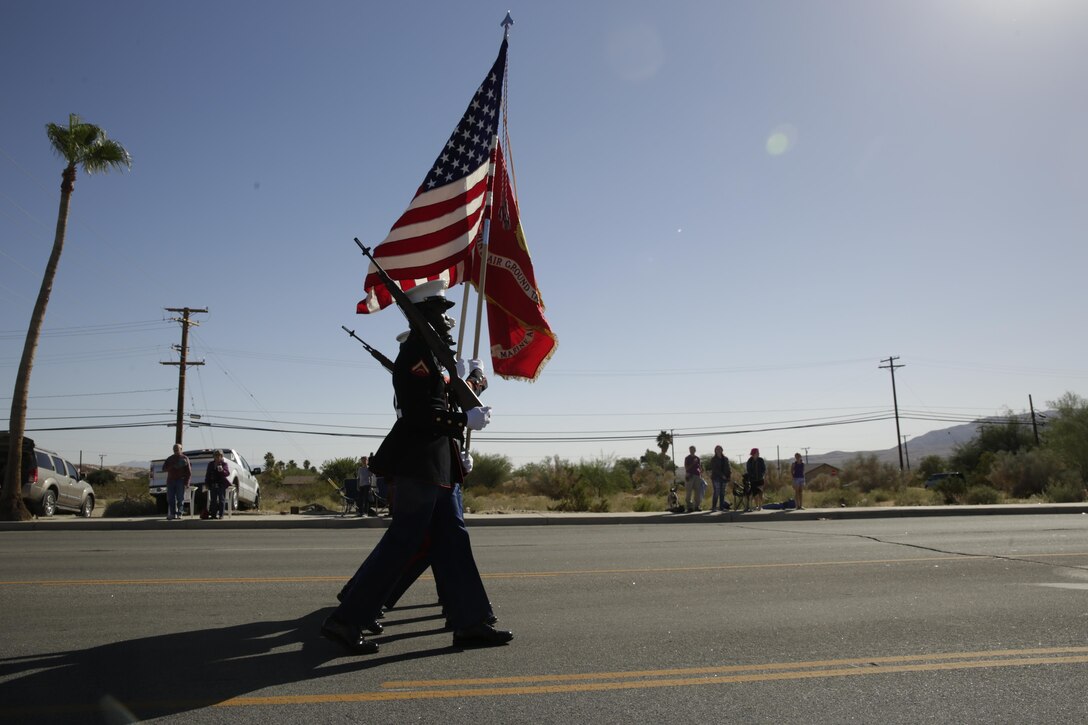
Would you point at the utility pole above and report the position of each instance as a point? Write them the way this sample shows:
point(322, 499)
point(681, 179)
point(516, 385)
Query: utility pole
point(805, 449)
point(1034, 424)
point(895, 402)
point(906, 450)
point(184, 362)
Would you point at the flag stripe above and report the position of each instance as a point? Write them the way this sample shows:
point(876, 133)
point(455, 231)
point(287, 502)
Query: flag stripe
point(432, 204)
point(413, 265)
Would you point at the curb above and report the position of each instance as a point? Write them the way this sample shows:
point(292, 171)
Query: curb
point(334, 521)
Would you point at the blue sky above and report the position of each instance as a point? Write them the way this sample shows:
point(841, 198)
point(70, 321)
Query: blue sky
point(736, 211)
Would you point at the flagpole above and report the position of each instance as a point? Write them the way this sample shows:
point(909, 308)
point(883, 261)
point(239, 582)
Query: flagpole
point(483, 251)
point(464, 315)
point(489, 204)
point(506, 23)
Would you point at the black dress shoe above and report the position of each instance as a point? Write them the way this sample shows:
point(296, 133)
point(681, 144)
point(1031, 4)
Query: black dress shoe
point(375, 627)
point(489, 619)
point(349, 635)
point(481, 635)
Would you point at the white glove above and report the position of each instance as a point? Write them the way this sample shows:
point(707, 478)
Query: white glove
point(462, 372)
point(466, 462)
point(478, 417)
point(474, 365)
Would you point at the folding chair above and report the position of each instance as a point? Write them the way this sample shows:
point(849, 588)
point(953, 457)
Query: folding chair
point(742, 493)
point(349, 493)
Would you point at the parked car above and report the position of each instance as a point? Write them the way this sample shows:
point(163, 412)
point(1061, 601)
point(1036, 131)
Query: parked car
point(50, 483)
point(938, 478)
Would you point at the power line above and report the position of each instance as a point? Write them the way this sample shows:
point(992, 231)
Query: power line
point(106, 329)
point(88, 395)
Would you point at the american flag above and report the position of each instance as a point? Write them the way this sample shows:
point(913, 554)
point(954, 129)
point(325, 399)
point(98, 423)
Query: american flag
point(435, 234)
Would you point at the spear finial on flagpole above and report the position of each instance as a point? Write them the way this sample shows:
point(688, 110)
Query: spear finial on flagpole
point(506, 23)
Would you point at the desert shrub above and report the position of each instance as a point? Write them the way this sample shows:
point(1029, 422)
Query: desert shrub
point(543, 478)
point(930, 465)
point(917, 496)
point(951, 489)
point(996, 436)
point(575, 496)
point(600, 506)
point(514, 486)
point(131, 506)
point(881, 495)
point(981, 496)
point(648, 504)
point(338, 469)
point(101, 477)
point(1025, 474)
point(865, 472)
point(483, 500)
point(837, 498)
point(281, 497)
point(489, 471)
point(651, 479)
point(823, 482)
point(777, 494)
point(1065, 491)
point(575, 487)
point(1067, 433)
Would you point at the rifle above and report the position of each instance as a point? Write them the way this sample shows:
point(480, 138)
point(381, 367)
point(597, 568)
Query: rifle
point(466, 399)
point(385, 362)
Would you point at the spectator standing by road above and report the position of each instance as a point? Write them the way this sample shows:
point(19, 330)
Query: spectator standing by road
point(693, 470)
point(217, 478)
point(720, 473)
point(757, 474)
point(797, 472)
point(366, 481)
point(178, 474)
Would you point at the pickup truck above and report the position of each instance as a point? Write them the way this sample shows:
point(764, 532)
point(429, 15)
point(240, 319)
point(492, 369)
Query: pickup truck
point(245, 492)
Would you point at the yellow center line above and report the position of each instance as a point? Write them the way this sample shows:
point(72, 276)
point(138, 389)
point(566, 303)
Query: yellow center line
point(524, 575)
point(575, 687)
point(614, 681)
point(733, 668)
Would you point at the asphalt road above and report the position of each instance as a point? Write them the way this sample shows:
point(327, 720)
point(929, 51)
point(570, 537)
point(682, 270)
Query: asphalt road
point(950, 619)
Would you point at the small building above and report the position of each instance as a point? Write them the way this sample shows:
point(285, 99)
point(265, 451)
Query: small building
point(821, 469)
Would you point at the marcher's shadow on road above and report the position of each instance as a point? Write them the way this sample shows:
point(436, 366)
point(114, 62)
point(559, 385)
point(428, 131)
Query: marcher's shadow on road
point(175, 673)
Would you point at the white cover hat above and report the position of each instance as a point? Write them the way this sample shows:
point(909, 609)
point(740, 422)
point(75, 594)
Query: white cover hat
point(427, 290)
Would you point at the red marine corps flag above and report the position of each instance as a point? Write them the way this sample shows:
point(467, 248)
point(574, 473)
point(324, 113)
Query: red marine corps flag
point(437, 230)
point(521, 339)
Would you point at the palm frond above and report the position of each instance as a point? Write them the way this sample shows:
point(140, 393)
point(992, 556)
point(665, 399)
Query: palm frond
point(84, 144)
point(106, 155)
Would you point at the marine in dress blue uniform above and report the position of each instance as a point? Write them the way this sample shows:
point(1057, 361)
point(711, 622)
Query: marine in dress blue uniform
point(421, 454)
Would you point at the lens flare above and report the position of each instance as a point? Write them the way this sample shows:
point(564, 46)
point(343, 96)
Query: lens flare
point(782, 139)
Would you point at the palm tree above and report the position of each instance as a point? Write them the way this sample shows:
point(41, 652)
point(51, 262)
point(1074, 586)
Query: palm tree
point(80, 145)
point(664, 440)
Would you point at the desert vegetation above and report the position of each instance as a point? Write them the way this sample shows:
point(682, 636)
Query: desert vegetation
point(1003, 463)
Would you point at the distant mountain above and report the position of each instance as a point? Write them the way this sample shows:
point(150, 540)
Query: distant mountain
point(142, 465)
point(941, 442)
